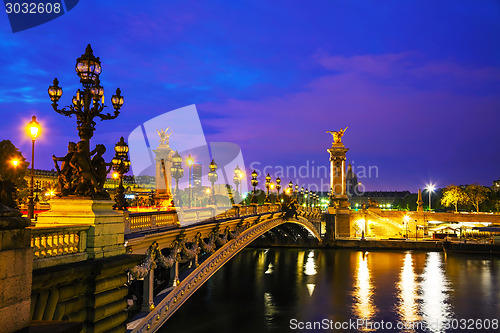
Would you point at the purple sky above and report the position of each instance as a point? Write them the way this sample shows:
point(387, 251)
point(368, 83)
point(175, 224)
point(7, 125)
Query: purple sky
point(418, 83)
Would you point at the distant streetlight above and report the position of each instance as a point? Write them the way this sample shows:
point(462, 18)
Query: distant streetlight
point(406, 219)
point(177, 172)
point(238, 176)
point(278, 187)
point(33, 129)
point(255, 182)
point(15, 162)
point(189, 162)
point(268, 185)
point(212, 178)
point(121, 165)
point(430, 188)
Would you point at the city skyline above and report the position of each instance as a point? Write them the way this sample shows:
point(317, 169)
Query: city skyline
point(416, 84)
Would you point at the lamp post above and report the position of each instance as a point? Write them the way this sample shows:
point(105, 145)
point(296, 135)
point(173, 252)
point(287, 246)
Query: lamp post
point(238, 175)
point(306, 197)
point(289, 191)
point(430, 188)
point(267, 184)
point(177, 172)
point(406, 219)
point(212, 178)
point(89, 103)
point(121, 165)
point(189, 162)
point(34, 131)
point(255, 182)
point(301, 195)
point(278, 188)
point(296, 192)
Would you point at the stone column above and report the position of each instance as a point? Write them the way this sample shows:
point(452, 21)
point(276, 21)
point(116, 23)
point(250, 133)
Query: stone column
point(339, 201)
point(16, 263)
point(147, 298)
point(163, 152)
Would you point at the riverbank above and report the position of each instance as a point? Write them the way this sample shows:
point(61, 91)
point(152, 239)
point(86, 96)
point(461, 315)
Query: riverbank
point(388, 244)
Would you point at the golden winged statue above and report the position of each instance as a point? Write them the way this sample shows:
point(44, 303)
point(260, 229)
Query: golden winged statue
point(164, 136)
point(337, 135)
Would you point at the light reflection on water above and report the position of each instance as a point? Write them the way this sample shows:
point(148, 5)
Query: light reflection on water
point(407, 292)
point(363, 289)
point(435, 289)
point(341, 285)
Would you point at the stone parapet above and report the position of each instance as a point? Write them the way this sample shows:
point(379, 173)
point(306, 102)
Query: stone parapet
point(16, 260)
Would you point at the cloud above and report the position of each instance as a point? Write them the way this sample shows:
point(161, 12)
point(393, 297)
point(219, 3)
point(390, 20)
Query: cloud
point(396, 106)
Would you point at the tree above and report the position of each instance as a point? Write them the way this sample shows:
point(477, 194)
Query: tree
point(11, 175)
point(454, 195)
point(476, 194)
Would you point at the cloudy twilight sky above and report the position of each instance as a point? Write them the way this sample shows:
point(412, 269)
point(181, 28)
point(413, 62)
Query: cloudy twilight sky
point(416, 82)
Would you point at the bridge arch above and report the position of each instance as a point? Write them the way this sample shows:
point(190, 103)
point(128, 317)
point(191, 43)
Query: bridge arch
point(185, 288)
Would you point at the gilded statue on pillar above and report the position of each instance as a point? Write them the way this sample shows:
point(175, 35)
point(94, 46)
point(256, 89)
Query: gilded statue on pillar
point(337, 135)
point(164, 136)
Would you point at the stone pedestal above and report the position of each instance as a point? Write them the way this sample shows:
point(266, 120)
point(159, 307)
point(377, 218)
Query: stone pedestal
point(16, 262)
point(105, 237)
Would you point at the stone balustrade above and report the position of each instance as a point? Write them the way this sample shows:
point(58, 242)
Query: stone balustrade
point(56, 245)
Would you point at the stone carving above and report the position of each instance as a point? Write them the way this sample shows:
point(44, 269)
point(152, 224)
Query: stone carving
point(154, 258)
point(337, 135)
point(81, 175)
point(164, 136)
point(210, 246)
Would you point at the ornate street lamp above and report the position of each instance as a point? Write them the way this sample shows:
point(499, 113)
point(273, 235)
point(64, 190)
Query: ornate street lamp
point(301, 195)
point(121, 165)
point(267, 185)
point(296, 192)
point(238, 176)
point(89, 103)
point(306, 198)
point(177, 172)
point(278, 187)
point(289, 191)
point(189, 162)
point(212, 178)
point(33, 129)
point(255, 182)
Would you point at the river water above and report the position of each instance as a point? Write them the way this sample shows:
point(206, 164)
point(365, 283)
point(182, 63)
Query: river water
point(321, 290)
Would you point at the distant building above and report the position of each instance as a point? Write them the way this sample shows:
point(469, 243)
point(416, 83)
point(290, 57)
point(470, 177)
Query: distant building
point(197, 172)
point(351, 182)
point(384, 199)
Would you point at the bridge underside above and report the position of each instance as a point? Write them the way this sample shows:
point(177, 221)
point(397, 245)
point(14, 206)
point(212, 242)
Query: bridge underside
point(219, 242)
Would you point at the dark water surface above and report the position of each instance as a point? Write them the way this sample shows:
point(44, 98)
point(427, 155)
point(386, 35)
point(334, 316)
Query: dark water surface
point(283, 290)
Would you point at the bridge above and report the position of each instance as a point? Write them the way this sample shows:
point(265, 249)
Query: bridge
point(74, 279)
point(205, 245)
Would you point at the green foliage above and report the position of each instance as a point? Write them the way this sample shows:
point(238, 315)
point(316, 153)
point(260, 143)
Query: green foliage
point(407, 203)
point(11, 177)
point(476, 194)
point(453, 196)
